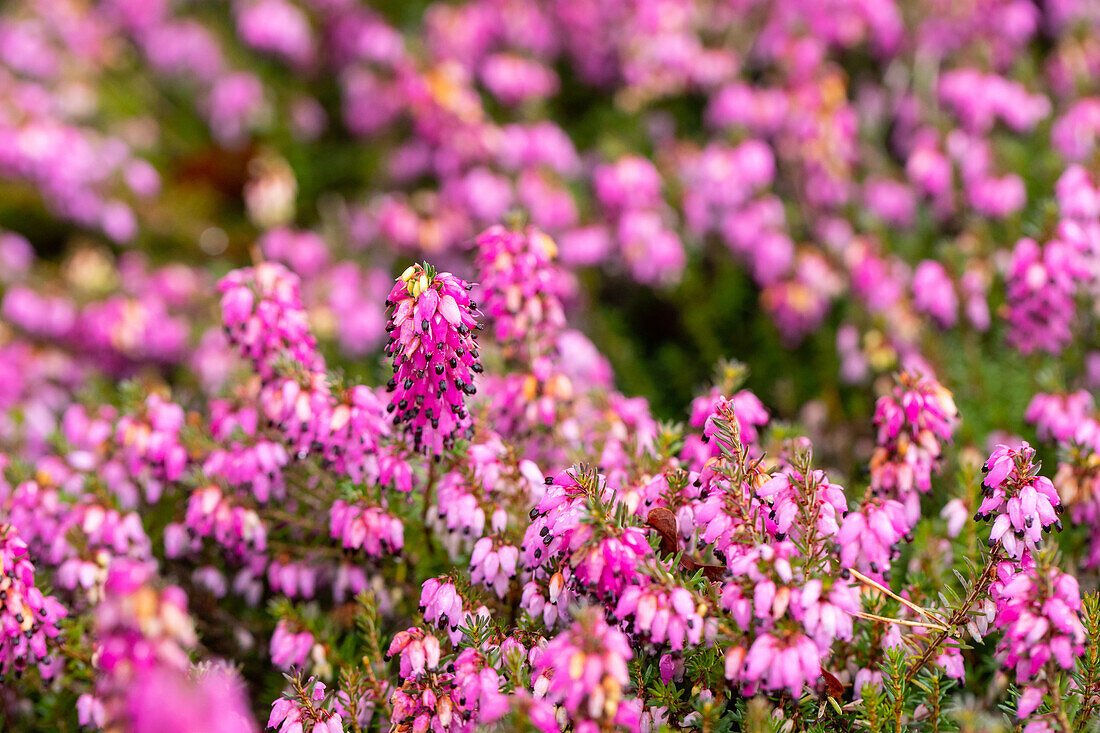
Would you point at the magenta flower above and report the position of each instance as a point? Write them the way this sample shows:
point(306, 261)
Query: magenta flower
point(799, 302)
point(278, 27)
point(630, 183)
point(368, 528)
point(660, 615)
point(574, 523)
point(28, 618)
point(913, 422)
point(513, 79)
point(750, 415)
point(790, 495)
point(264, 317)
point(233, 107)
point(1025, 503)
point(867, 537)
point(461, 699)
point(435, 356)
point(478, 685)
point(979, 100)
point(140, 631)
point(238, 529)
point(315, 713)
point(934, 293)
point(290, 648)
point(441, 604)
point(1041, 285)
point(211, 700)
point(586, 668)
point(551, 599)
point(149, 444)
point(776, 664)
point(1058, 416)
point(523, 288)
point(419, 651)
point(255, 463)
point(827, 610)
point(493, 565)
point(1038, 612)
point(790, 622)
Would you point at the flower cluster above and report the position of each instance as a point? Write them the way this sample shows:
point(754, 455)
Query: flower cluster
point(435, 356)
point(1038, 611)
point(419, 651)
point(28, 618)
point(493, 566)
point(1042, 281)
point(210, 513)
point(367, 528)
point(289, 648)
point(141, 632)
point(586, 671)
point(575, 534)
point(868, 537)
point(1039, 614)
point(1022, 504)
point(793, 623)
point(311, 710)
point(212, 697)
point(441, 604)
point(662, 616)
point(523, 288)
point(913, 423)
point(264, 318)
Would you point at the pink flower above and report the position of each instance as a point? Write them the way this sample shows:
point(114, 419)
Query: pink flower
point(631, 183)
point(586, 668)
point(1038, 613)
point(1025, 503)
point(1041, 284)
point(1030, 699)
point(913, 422)
point(934, 293)
point(279, 27)
point(369, 528)
point(214, 701)
point(435, 356)
point(315, 715)
point(441, 604)
point(28, 619)
point(513, 79)
point(868, 537)
point(288, 648)
point(419, 651)
point(777, 665)
point(661, 615)
point(493, 565)
point(523, 288)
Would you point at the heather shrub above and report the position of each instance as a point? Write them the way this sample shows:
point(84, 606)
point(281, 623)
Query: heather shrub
point(561, 365)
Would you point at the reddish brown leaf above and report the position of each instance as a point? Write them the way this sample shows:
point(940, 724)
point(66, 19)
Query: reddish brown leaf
point(833, 688)
point(664, 522)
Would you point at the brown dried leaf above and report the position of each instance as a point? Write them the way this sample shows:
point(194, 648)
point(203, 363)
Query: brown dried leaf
point(664, 522)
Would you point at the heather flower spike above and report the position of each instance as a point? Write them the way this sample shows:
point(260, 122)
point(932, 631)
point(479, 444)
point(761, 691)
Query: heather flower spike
point(435, 356)
point(523, 287)
point(913, 423)
point(28, 618)
point(1022, 504)
point(1039, 612)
